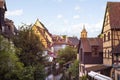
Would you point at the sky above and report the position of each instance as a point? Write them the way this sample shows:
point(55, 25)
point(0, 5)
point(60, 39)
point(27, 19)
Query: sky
point(60, 17)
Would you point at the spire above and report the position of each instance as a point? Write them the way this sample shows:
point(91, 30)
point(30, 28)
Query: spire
point(84, 32)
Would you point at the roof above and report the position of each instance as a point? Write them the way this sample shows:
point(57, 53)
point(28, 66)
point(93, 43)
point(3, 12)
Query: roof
point(58, 40)
point(114, 14)
point(43, 31)
point(88, 43)
point(59, 43)
point(114, 11)
point(73, 41)
point(41, 25)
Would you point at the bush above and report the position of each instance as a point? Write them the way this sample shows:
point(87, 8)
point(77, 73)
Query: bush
point(83, 78)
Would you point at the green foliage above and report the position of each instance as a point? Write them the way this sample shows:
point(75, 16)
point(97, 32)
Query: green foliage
point(30, 47)
point(30, 52)
point(83, 78)
point(74, 69)
point(40, 72)
point(21, 60)
point(27, 73)
point(9, 62)
point(64, 36)
point(66, 55)
point(100, 36)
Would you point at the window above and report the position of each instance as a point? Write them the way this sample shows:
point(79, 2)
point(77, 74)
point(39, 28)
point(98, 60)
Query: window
point(105, 54)
point(108, 36)
point(104, 37)
point(95, 51)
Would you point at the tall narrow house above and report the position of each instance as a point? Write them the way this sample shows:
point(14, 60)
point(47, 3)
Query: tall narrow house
point(111, 38)
point(7, 27)
point(2, 13)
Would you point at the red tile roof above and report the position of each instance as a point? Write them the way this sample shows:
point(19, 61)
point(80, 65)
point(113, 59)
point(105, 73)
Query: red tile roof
point(114, 12)
point(59, 43)
point(73, 41)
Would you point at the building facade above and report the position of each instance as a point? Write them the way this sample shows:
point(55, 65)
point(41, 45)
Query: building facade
point(3, 8)
point(91, 55)
point(7, 27)
point(44, 36)
point(111, 38)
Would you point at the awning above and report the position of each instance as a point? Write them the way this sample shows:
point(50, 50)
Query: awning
point(98, 67)
point(98, 76)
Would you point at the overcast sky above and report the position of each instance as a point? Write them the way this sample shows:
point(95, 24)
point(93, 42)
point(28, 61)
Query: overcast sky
point(60, 17)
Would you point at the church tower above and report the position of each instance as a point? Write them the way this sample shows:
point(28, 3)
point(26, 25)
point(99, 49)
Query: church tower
point(84, 33)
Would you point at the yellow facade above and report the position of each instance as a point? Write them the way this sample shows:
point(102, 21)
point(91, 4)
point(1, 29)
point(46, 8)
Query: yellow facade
point(107, 44)
point(111, 38)
point(43, 34)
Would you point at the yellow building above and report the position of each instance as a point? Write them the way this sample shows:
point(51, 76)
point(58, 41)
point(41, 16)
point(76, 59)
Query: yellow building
point(44, 36)
point(111, 38)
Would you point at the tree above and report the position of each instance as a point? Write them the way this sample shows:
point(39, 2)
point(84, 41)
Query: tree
point(100, 36)
point(74, 70)
point(10, 66)
point(31, 54)
point(64, 36)
point(30, 47)
point(84, 78)
point(66, 55)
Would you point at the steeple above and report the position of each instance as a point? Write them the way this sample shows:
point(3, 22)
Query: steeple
point(84, 32)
